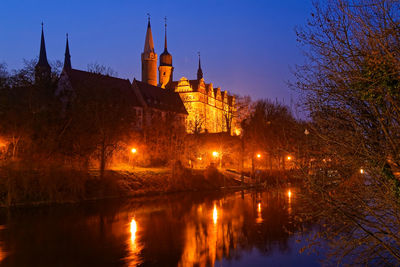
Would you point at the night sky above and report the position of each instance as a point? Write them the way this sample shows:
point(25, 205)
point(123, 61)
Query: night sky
point(247, 47)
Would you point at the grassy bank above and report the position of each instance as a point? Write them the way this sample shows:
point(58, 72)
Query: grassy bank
point(29, 185)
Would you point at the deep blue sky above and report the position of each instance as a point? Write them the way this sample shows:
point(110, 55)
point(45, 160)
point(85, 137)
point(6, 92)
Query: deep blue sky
point(247, 47)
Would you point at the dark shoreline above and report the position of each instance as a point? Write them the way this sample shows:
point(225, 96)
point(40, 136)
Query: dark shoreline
point(34, 189)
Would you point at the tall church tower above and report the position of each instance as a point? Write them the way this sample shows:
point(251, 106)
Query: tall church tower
point(165, 70)
point(42, 68)
point(149, 59)
point(67, 57)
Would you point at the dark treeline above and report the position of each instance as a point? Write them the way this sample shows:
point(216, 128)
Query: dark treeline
point(351, 83)
point(47, 132)
point(38, 125)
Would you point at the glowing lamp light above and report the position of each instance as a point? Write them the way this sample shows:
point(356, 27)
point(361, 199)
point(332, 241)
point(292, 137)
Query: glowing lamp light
point(133, 150)
point(258, 155)
point(259, 207)
point(215, 154)
point(215, 214)
point(289, 193)
point(200, 158)
point(133, 231)
point(362, 171)
point(289, 157)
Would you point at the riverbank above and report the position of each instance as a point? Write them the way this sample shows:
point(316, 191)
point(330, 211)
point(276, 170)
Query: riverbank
point(43, 186)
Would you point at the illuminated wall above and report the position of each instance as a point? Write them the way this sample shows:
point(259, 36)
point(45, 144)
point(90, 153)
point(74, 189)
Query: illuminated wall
point(208, 107)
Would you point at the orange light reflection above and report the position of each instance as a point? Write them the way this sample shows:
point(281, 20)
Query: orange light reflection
point(133, 232)
point(215, 214)
point(259, 218)
point(133, 259)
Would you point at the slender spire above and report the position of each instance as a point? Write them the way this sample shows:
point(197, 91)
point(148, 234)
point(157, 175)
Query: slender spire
point(165, 57)
point(42, 68)
point(199, 71)
point(165, 42)
point(42, 56)
point(67, 58)
point(148, 44)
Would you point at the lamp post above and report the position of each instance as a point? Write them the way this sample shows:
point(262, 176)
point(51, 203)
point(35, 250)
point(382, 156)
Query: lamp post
point(306, 132)
point(289, 158)
point(217, 156)
point(257, 173)
point(133, 153)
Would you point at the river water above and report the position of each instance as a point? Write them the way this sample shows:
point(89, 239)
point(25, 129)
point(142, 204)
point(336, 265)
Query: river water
point(211, 229)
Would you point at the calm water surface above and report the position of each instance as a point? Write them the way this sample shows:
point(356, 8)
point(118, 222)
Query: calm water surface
point(215, 229)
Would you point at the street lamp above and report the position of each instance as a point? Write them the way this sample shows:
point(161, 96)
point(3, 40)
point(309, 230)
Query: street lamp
point(258, 155)
point(289, 157)
point(133, 153)
point(217, 156)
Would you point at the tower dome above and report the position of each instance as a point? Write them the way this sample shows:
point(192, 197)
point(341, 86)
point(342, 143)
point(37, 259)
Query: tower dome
point(165, 58)
point(165, 69)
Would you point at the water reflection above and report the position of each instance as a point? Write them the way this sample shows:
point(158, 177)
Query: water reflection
point(181, 230)
point(215, 214)
point(133, 232)
point(134, 256)
point(259, 214)
point(289, 202)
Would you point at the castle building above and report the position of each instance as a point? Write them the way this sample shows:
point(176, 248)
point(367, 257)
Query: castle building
point(151, 102)
point(197, 105)
point(209, 109)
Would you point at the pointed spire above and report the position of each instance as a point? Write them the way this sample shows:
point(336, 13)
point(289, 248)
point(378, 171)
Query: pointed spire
point(42, 56)
point(42, 68)
point(165, 42)
point(148, 44)
point(67, 58)
point(165, 58)
point(199, 71)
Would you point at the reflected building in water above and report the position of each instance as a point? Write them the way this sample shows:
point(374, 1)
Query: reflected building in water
point(169, 231)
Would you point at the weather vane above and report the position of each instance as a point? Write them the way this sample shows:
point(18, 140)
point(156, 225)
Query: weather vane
point(165, 20)
point(148, 16)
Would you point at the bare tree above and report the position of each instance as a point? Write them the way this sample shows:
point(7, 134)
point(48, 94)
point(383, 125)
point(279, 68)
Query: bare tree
point(228, 119)
point(101, 69)
point(196, 125)
point(351, 89)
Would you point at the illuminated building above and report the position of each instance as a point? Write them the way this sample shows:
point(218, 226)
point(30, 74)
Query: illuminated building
point(209, 109)
point(194, 103)
point(151, 102)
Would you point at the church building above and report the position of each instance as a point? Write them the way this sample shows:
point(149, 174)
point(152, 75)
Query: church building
point(210, 109)
point(195, 104)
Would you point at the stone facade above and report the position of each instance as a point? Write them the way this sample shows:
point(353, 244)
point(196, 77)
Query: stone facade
point(209, 109)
